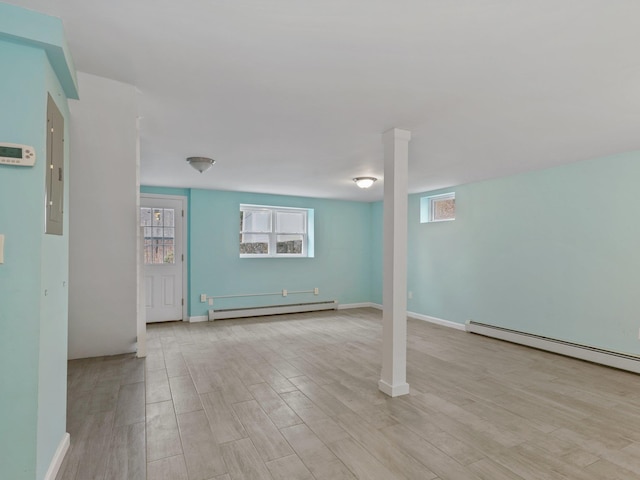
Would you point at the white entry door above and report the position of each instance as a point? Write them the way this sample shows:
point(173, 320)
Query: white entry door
point(162, 221)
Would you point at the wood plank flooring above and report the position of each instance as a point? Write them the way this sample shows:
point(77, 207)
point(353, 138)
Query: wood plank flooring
point(295, 397)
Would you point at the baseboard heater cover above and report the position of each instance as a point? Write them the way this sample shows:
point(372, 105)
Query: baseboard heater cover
point(622, 361)
point(272, 310)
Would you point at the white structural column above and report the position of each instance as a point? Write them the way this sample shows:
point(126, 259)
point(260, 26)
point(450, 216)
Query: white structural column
point(394, 293)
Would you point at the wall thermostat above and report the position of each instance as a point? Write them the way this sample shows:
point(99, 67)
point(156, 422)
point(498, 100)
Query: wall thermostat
point(19, 155)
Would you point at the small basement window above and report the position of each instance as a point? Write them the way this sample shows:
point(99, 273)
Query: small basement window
point(438, 208)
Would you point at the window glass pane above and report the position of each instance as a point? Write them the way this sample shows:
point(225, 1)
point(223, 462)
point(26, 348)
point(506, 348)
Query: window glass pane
point(254, 244)
point(169, 256)
point(275, 231)
point(291, 244)
point(156, 252)
point(145, 216)
point(256, 221)
point(169, 217)
point(159, 235)
point(291, 222)
point(438, 208)
point(444, 209)
point(148, 254)
point(157, 217)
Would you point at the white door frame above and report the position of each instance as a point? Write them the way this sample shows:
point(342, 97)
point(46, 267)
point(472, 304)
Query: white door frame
point(183, 201)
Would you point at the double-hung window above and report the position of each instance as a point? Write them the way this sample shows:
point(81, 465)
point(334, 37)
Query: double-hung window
point(273, 231)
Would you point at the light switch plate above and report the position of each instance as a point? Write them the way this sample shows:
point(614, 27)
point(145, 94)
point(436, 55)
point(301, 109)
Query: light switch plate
point(1, 248)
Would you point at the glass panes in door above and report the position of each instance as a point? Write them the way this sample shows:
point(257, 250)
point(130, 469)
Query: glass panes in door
point(159, 235)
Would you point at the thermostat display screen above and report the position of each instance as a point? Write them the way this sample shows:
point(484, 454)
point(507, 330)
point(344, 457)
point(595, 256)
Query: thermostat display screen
point(10, 152)
point(17, 155)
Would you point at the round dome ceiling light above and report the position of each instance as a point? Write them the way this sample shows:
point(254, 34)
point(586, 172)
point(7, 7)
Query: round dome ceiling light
point(202, 164)
point(365, 182)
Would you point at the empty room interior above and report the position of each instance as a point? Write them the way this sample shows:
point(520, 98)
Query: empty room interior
point(319, 240)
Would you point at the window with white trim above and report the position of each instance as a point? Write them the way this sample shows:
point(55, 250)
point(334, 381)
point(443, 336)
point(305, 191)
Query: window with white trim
point(438, 208)
point(274, 231)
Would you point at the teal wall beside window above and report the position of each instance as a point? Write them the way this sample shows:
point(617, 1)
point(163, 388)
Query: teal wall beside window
point(340, 267)
point(552, 252)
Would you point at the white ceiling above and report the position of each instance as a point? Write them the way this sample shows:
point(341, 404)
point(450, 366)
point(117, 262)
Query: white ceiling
point(292, 96)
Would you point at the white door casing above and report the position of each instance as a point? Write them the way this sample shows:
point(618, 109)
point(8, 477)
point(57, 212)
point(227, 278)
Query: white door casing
point(163, 222)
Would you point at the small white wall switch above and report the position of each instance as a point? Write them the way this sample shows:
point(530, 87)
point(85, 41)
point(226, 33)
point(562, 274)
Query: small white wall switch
point(316, 291)
point(211, 301)
point(203, 297)
point(284, 292)
point(1, 248)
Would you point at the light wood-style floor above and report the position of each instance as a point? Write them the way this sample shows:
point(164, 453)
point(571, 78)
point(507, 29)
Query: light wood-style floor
point(295, 397)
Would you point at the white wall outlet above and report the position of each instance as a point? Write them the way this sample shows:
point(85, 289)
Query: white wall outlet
point(211, 301)
point(203, 297)
point(284, 292)
point(316, 291)
point(410, 295)
point(638, 329)
point(1, 248)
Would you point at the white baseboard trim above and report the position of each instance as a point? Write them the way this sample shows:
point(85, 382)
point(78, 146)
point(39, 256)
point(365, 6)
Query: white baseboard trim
point(199, 318)
point(344, 306)
point(272, 310)
point(377, 306)
point(620, 360)
point(437, 321)
point(58, 457)
point(393, 390)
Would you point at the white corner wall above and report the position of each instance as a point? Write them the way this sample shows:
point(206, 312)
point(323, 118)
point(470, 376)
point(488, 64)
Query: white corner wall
point(103, 197)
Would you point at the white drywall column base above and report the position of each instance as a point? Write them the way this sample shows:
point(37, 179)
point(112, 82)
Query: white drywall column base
point(393, 380)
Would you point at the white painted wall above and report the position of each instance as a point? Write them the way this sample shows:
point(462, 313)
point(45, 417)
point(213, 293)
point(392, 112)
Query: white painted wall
point(102, 219)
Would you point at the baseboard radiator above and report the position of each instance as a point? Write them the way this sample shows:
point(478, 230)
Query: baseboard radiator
point(623, 361)
point(272, 310)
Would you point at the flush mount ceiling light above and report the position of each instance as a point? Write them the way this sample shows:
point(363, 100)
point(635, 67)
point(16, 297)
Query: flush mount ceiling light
point(202, 164)
point(364, 182)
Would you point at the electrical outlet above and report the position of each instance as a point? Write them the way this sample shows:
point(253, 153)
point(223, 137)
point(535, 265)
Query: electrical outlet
point(639, 334)
point(211, 301)
point(203, 297)
point(284, 292)
point(410, 295)
point(316, 291)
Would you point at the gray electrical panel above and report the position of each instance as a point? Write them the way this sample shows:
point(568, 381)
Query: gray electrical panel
point(54, 200)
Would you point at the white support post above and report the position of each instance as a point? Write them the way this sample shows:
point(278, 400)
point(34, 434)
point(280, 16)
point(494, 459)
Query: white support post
point(393, 379)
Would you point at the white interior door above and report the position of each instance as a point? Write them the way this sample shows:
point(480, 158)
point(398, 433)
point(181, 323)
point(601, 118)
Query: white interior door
point(162, 222)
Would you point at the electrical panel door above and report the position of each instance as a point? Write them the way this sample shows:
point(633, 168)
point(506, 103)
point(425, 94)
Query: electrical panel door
point(55, 169)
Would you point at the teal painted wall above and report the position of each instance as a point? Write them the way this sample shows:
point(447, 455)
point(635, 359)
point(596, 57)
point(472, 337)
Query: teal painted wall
point(33, 327)
point(340, 268)
point(54, 314)
point(44, 33)
point(552, 252)
point(21, 221)
point(376, 234)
